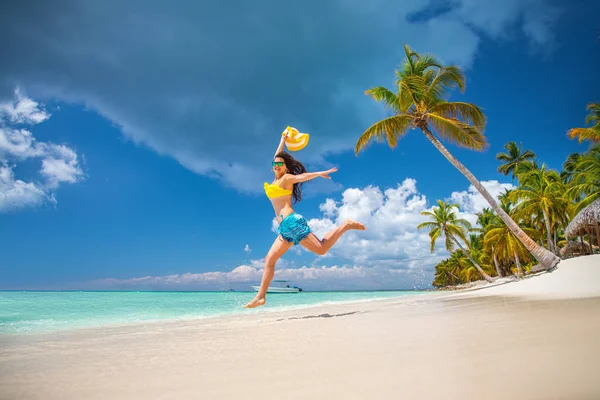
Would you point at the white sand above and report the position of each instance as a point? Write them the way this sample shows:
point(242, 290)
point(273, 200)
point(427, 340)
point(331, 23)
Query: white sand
point(436, 346)
point(574, 278)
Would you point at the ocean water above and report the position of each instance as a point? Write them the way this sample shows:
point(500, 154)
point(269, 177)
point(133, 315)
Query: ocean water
point(27, 312)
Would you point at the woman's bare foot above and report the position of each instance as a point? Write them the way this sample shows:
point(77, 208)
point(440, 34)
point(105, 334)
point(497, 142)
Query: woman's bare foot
point(256, 302)
point(355, 225)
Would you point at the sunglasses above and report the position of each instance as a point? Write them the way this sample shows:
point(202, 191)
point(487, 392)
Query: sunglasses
point(278, 163)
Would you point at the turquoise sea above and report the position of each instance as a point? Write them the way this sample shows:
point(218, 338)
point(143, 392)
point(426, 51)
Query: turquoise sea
point(23, 312)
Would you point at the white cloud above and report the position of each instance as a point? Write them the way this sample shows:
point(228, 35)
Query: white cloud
point(23, 110)
point(18, 143)
point(391, 253)
point(59, 163)
point(471, 202)
point(16, 194)
point(247, 249)
point(307, 277)
point(391, 217)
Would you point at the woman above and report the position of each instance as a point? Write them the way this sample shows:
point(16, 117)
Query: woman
point(293, 229)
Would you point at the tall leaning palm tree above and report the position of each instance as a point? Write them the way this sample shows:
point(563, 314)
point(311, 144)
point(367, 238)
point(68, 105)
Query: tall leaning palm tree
point(444, 221)
point(513, 158)
point(592, 132)
point(423, 87)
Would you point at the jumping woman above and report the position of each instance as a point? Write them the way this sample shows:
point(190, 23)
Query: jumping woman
point(293, 229)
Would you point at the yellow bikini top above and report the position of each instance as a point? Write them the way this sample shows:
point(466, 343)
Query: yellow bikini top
point(272, 191)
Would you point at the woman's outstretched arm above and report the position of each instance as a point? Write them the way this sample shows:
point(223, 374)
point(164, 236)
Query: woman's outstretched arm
point(307, 176)
point(281, 143)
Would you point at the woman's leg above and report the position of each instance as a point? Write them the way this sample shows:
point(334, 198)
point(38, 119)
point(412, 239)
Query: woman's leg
point(278, 248)
point(320, 247)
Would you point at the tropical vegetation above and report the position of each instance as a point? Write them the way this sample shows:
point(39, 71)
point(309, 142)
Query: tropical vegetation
point(543, 204)
point(523, 230)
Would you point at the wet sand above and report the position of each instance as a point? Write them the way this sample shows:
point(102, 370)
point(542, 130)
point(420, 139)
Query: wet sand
point(439, 345)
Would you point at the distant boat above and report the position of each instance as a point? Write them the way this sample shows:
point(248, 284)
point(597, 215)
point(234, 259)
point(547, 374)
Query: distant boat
point(281, 288)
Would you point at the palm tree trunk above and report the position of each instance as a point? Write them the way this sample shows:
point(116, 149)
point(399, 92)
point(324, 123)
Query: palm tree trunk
point(518, 263)
point(457, 279)
point(547, 260)
point(548, 232)
point(496, 263)
point(481, 271)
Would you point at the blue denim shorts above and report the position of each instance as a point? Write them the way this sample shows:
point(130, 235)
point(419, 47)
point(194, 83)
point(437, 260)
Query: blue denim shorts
point(293, 228)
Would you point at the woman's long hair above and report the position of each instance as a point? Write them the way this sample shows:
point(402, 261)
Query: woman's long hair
point(294, 167)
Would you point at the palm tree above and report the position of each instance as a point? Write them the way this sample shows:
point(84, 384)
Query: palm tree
point(447, 272)
point(486, 219)
point(585, 183)
point(503, 243)
point(543, 191)
point(443, 221)
point(478, 253)
point(423, 86)
point(590, 133)
point(569, 167)
point(513, 158)
point(466, 269)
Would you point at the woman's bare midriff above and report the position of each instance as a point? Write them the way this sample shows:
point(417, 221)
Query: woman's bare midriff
point(282, 206)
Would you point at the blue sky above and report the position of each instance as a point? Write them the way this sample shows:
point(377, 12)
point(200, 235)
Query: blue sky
point(135, 137)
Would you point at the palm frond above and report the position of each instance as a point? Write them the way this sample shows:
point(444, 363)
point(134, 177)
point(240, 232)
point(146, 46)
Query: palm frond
point(466, 112)
point(446, 80)
point(449, 243)
point(434, 234)
point(391, 129)
point(382, 94)
point(415, 85)
point(458, 132)
point(427, 225)
point(584, 134)
point(594, 116)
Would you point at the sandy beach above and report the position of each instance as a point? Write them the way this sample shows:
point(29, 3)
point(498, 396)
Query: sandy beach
point(532, 339)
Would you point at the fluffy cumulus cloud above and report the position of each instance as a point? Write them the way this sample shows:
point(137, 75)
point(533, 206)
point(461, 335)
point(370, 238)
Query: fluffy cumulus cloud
point(471, 202)
point(197, 81)
point(57, 163)
point(391, 254)
point(321, 277)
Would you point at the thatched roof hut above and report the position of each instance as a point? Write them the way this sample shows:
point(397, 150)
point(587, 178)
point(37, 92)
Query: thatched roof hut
point(587, 221)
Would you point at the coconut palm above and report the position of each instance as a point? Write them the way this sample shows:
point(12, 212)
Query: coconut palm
point(423, 87)
point(486, 219)
point(585, 184)
point(543, 191)
point(501, 242)
point(478, 253)
point(443, 221)
point(447, 272)
point(467, 271)
point(513, 158)
point(590, 133)
point(570, 167)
